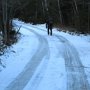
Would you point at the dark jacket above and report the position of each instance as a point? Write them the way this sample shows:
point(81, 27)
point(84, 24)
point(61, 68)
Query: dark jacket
point(49, 23)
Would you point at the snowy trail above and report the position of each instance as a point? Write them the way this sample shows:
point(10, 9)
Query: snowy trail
point(23, 78)
point(76, 77)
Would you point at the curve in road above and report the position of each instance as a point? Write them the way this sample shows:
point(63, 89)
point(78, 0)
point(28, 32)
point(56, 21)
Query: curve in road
point(24, 77)
point(76, 77)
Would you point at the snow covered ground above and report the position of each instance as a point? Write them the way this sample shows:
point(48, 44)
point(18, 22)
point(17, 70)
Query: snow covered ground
point(42, 62)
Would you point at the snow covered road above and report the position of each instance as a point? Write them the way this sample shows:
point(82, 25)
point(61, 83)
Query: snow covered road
point(54, 65)
point(23, 78)
point(76, 77)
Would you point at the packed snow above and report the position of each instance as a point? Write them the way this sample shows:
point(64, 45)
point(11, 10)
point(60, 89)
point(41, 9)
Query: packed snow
point(45, 55)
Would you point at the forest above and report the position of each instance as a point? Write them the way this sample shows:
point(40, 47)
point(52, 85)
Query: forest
point(65, 13)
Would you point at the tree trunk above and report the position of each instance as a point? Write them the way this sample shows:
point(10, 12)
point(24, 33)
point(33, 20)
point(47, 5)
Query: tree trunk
point(77, 20)
point(46, 8)
point(60, 12)
point(89, 17)
point(4, 16)
point(43, 9)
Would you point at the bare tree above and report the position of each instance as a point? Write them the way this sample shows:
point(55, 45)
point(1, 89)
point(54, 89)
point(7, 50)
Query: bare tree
point(43, 8)
point(60, 12)
point(46, 8)
point(89, 17)
point(7, 11)
point(75, 5)
point(77, 19)
point(4, 16)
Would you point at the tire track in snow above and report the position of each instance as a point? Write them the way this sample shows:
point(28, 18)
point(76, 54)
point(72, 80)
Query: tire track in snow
point(76, 77)
point(24, 77)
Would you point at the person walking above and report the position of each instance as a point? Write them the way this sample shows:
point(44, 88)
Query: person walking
point(49, 25)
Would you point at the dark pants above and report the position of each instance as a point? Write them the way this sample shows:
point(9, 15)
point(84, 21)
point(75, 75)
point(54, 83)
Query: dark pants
point(50, 30)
